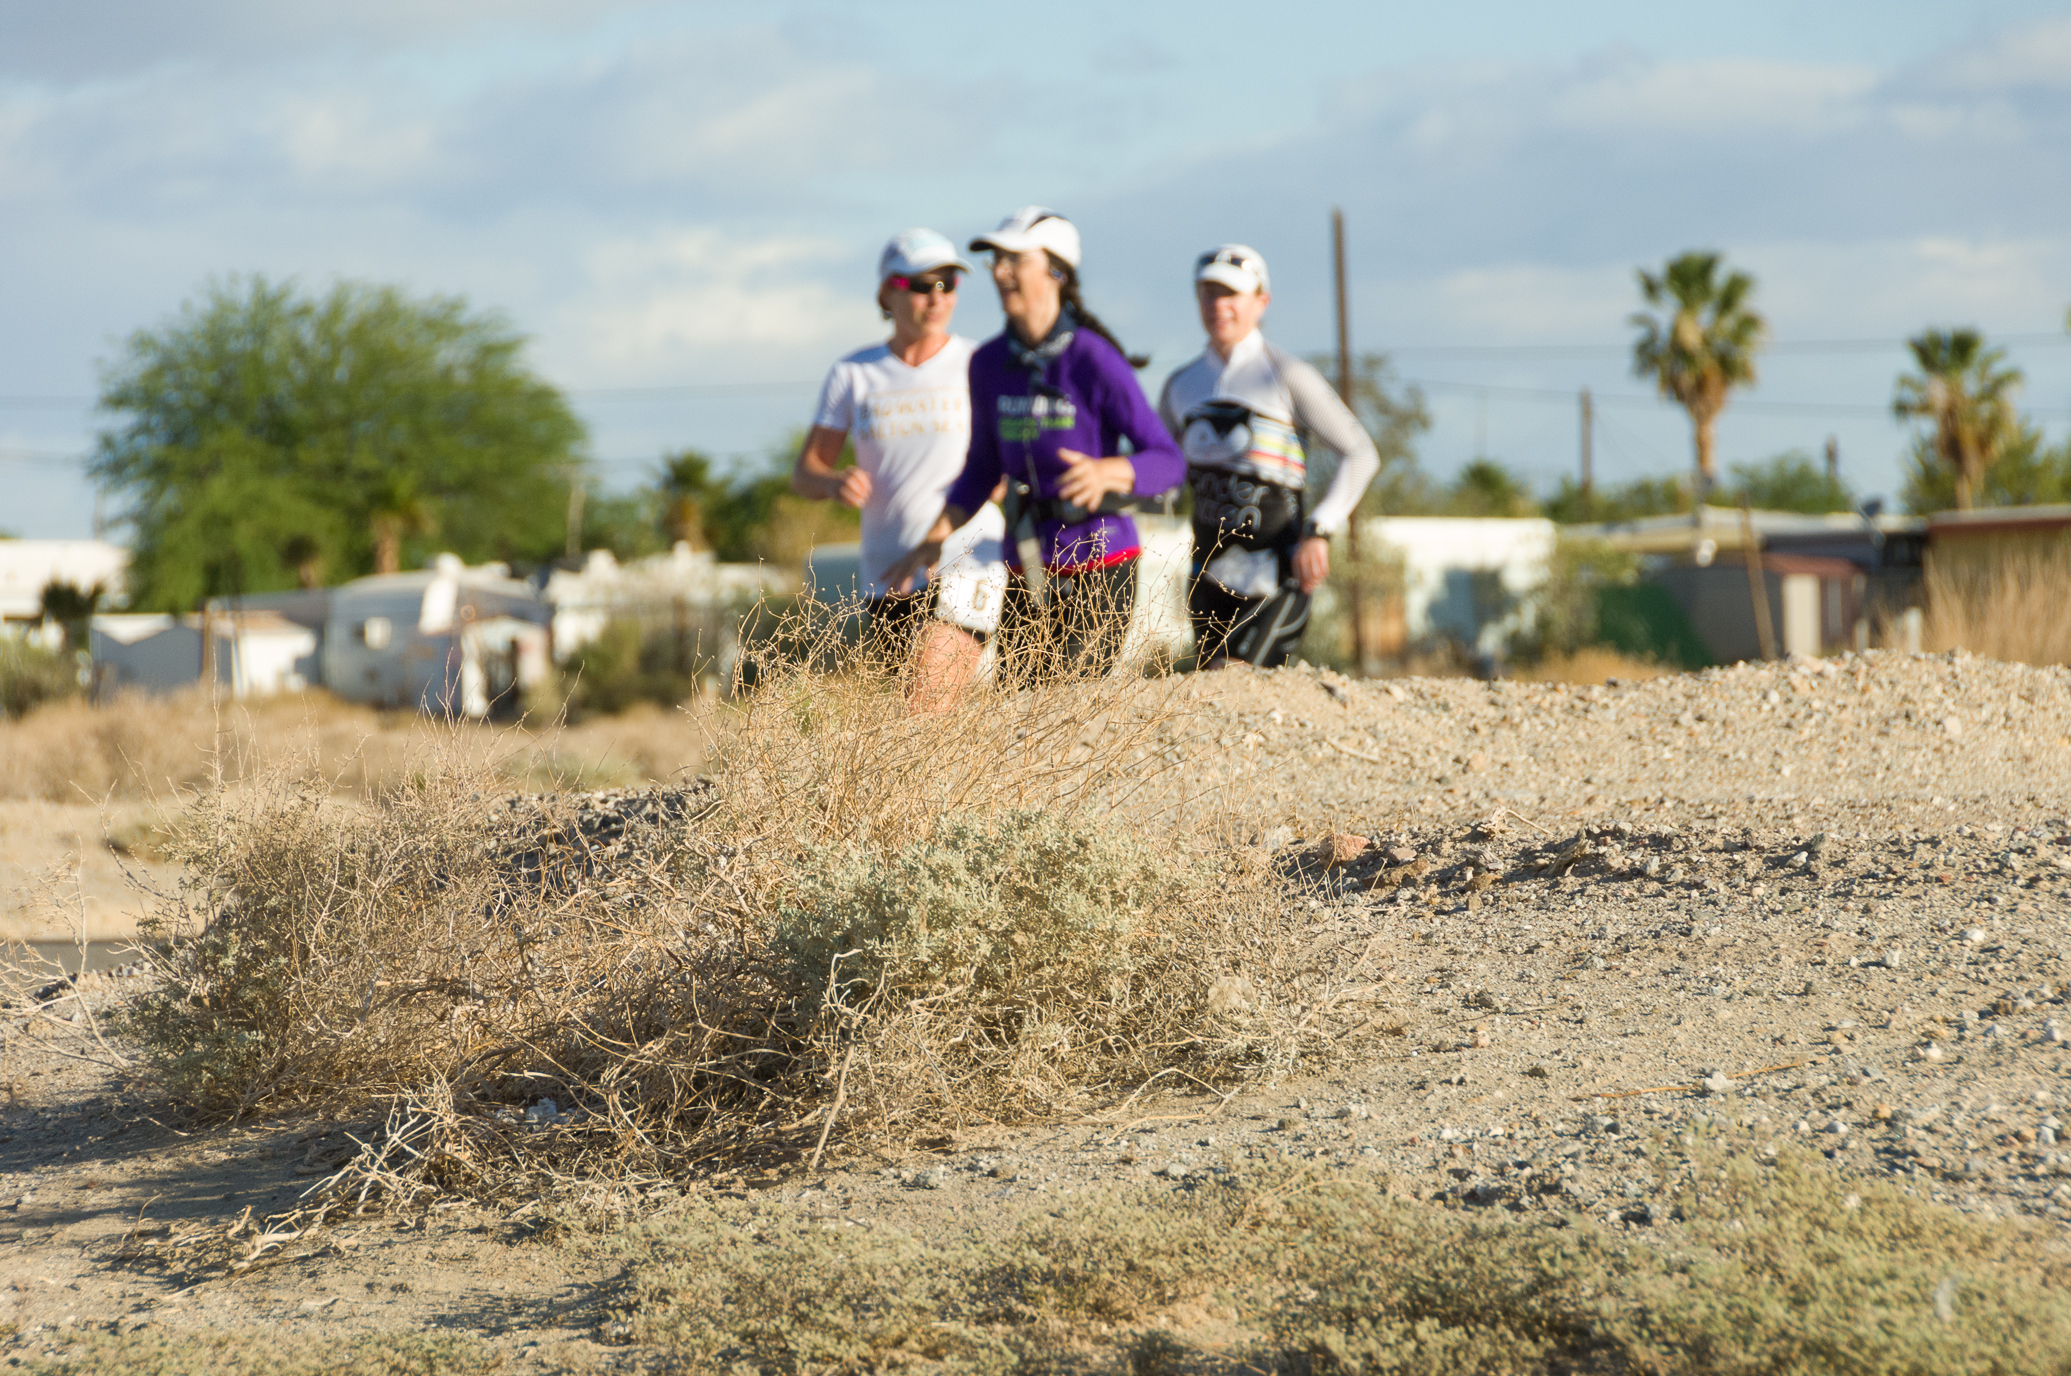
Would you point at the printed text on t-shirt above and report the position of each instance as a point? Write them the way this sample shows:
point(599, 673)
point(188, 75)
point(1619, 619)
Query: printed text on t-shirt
point(890, 415)
point(1022, 419)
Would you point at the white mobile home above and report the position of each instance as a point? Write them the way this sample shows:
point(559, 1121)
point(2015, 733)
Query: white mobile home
point(451, 640)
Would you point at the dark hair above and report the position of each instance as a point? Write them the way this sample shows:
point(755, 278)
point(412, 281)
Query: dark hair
point(1076, 304)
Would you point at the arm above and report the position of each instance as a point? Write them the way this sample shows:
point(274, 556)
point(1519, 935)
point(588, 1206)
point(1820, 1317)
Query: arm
point(982, 460)
point(1154, 467)
point(815, 476)
point(1158, 466)
point(1166, 411)
point(1318, 410)
point(924, 556)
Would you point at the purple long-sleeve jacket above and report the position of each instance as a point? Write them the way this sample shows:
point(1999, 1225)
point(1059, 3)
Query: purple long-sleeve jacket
point(1085, 398)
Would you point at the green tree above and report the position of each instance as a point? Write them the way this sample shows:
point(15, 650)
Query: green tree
point(2026, 473)
point(1394, 416)
point(263, 435)
point(1700, 347)
point(1792, 481)
point(1485, 487)
point(1965, 392)
point(1640, 498)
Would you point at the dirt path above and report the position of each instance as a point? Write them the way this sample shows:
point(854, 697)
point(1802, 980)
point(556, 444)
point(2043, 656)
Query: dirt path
point(1823, 904)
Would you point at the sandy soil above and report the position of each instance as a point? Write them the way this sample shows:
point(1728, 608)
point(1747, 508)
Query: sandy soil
point(1826, 903)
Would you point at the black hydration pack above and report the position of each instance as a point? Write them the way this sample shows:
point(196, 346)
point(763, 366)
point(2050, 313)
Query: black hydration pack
point(1235, 507)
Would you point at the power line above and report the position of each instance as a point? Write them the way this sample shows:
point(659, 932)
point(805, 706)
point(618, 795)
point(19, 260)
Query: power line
point(1566, 397)
point(1788, 346)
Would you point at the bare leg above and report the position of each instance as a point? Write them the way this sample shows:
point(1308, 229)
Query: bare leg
point(944, 663)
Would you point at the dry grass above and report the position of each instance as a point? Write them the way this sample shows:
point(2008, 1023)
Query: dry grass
point(155, 748)
point(878, 923)
point(1769, 1269)
point(2013, 610)
point(1591, 664)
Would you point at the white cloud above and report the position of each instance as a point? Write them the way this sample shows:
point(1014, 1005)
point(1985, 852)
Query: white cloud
point(665, 306)
point(93, 39)
point(1734, 97)
point(2031, 55)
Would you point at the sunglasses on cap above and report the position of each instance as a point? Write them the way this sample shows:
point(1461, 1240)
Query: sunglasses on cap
point(1228, 257)
point(925, 286)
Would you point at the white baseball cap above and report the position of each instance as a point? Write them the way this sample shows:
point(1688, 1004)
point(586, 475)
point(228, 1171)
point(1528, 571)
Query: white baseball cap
point(1033, 226)
point(916, 251)
point(1237, 266)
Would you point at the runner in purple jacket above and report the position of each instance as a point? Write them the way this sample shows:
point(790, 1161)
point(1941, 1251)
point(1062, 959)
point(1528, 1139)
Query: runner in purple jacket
point(1052, 398)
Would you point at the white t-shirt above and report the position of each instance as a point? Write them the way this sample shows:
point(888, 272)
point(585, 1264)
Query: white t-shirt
point(912, 429)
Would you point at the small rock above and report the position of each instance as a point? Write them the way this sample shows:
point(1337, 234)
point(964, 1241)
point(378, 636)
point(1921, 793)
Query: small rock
point(1881, 1112)
point(1399, 855)
point(1717, 1083)
point(1600, 1125)
point(1836, 1128)
point(1974, 935)
point(1353, 1111)
point(545, 1111)
point(933, 1178)
point(1279, 838)
point(1340, 848)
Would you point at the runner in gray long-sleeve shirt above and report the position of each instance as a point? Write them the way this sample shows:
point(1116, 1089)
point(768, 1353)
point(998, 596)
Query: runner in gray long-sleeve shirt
point(1243, 412)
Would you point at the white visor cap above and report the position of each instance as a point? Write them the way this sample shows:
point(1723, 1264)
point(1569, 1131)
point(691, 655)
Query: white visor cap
point(1033, 226)
point(1237, 266)
point(917, 251)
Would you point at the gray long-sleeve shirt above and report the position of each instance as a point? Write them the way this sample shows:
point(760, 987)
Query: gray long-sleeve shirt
point(1289, 400)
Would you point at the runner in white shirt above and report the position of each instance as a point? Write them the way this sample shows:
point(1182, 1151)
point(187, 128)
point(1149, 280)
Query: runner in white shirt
point(906, 405)
point(1244, 412)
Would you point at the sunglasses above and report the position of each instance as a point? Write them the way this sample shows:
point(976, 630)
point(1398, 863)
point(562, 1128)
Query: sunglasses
point(1225, 256)
point(922, 286)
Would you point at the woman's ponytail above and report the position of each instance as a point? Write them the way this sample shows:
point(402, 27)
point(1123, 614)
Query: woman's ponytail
point(1076, 304)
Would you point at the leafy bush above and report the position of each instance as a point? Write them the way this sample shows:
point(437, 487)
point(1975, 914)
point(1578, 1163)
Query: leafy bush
point(1029, 953)
point(454, 955)
point(31, 676)
point(623, 666)
point(1569, 604)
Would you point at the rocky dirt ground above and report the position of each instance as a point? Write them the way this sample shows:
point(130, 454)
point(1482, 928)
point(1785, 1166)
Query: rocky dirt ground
point(1824, 903)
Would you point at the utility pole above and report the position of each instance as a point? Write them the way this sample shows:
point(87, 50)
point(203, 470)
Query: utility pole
point(1352, 598)
point(1588, 455)
point(1833, 461)
point(575, 496)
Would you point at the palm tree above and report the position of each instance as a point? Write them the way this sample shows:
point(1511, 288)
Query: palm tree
point(1700, 348)
point(399, 511)
point(1967, 392)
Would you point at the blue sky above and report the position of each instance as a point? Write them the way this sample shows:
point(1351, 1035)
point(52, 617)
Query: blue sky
point(691, 196)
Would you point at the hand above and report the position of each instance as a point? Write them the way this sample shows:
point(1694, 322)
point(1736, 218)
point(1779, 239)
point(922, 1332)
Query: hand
point(1089, 479)
point(1312, 562)
point(853, 489)
point(921, 559)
